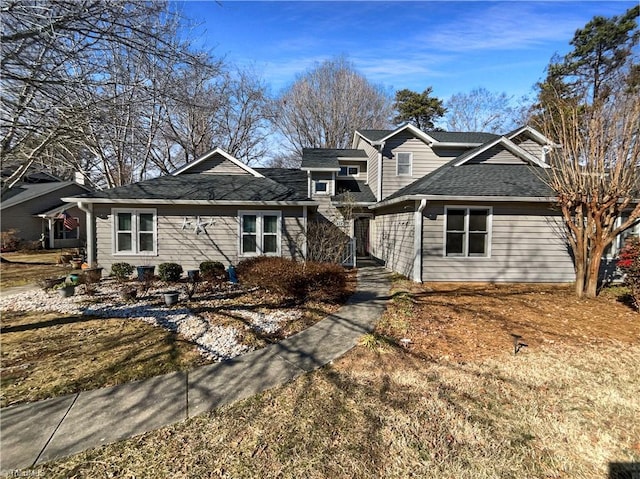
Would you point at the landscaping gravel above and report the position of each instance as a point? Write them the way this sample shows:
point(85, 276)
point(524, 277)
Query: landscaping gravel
point(217, 343)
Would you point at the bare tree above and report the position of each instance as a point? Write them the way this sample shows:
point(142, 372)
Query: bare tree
point(323, 107)
point(595, 175)
point(483, 110)
point(53, 75)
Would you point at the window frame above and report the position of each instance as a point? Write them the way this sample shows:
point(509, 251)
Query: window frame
point(315, 187)
point(135, 231)
point(397, 157)
point(260, 233)
point(347, 174)
point(466, 232)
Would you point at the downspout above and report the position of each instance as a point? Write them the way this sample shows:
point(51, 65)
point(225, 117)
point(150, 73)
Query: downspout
point(417, 240)
point(88, 209)
point(381, 147)
point(305, 225)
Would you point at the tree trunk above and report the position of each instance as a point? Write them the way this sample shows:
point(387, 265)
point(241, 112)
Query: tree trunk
point(580, 279)
point(593, 273)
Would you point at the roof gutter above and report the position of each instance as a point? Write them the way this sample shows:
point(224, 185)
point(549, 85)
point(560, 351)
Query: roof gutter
point(521, 199)
point(148, 201)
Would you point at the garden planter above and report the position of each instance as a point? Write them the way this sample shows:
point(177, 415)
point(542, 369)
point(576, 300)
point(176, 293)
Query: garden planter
point(145, 272)
point(67, 291)
point(76, 263)
point(171, 297)
point(194, 275)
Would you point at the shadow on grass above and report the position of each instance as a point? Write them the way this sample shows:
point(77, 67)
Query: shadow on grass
point(46, 324)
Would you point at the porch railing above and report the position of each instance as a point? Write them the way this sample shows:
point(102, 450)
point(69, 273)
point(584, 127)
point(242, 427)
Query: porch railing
point(349, 256)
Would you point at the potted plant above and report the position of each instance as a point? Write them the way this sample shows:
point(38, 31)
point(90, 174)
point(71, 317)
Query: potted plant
point(145, 272)
point(65, 289)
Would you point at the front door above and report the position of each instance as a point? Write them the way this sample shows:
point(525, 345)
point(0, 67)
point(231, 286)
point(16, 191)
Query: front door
point(361, 232)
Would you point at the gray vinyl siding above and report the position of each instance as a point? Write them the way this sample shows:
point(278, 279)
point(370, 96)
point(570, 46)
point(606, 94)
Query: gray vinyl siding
point(183, 246)
point(530, 146)
point(527, 245)
point(20, 216)
point(372, 164)
point(362, 175)
point(392, 239)
point(497, 156)
point(425, 160)
point(217, 165)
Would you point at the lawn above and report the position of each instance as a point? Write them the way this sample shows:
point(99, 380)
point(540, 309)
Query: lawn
point(21, 268)
point(456, 402)
point(48, 354)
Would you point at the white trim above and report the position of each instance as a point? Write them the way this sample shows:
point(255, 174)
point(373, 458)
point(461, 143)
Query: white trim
point(323, 169)
point(465, 247)
point(305, 225)
point(397, 158)
point(533, 133)
point(135, 231)
point(212, 153)
point(496, 199)
point(315, 184)
point(413, 129)
point(509, 145)
point(260, 214)
point(349, 175)
point(151, 201)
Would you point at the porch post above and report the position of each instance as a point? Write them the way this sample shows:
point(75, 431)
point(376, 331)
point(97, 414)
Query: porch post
point(52, 242)
point(306, 232)
point(88, 209)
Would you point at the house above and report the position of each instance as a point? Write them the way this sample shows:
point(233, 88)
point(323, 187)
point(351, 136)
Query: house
point(34, 210)
point(433, 206)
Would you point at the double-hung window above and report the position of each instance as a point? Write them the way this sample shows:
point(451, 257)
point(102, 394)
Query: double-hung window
point(403, 164)
point(61, 231)
point(260, 233)
point(467, 231)
point(135, 231)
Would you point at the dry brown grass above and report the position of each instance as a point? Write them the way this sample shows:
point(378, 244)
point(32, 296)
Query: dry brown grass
point(48, 355)
point(565, 407)
point(22, 268)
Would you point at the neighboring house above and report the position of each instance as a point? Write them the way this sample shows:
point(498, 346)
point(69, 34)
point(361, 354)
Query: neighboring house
point(433, 206)
point(34, 210)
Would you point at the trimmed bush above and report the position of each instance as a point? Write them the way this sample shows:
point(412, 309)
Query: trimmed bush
point(121, 271)
point(311, 280)
point(629, 264)
point(212, 270)
point(169, 271)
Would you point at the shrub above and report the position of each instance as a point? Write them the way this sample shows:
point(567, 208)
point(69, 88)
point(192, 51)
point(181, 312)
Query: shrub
point(629, 264)
point(10, 240)
point(169, 271)
point(311, 280)
point(121, 271)
point(212, 270)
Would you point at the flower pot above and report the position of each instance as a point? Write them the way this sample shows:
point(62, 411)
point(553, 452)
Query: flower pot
point(171, 297)
point(76, 263)
point(194, 275)
point(145, 272)
point(67, 291)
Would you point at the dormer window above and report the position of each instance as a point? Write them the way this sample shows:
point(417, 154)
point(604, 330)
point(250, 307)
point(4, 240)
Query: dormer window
point(321, 187)
point(349, 171)
point(403, 164)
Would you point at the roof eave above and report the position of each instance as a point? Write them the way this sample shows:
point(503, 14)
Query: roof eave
point(319, 169)
point(150, 201)
point(501, 199)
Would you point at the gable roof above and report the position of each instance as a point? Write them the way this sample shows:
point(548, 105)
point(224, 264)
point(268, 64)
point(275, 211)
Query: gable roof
point(199, 189)
point(432, 138)
point(327, 159)
point(211, 154)
point(22, 192)
point(507, 144)
point(531, 133)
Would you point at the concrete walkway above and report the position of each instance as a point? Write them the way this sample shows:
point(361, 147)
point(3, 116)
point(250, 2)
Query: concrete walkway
point(41, 431)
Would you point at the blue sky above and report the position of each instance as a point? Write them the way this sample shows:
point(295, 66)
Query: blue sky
point(452, 46)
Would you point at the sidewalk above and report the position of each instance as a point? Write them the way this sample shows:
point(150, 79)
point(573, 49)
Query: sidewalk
point(41, 431)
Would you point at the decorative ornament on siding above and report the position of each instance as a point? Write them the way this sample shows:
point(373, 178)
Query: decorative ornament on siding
point(198, 223)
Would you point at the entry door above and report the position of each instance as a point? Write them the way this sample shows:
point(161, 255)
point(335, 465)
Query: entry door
point(361, 231)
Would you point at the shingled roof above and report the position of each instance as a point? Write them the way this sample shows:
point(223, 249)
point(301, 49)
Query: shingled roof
point(327, 158)
point(467, 137)
point(353, 190)
point(482, 180)
point(203, 187)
